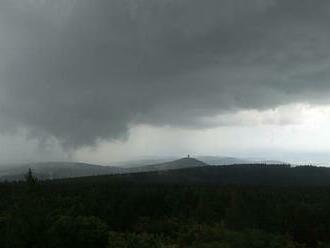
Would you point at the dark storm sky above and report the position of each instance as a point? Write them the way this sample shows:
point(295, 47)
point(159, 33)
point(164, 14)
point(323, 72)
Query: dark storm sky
point(88, 69)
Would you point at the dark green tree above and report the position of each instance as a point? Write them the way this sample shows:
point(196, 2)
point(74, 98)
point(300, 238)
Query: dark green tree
point(81, 231)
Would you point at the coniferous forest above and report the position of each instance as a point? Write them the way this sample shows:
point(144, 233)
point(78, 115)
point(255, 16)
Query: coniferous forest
point(128, 211)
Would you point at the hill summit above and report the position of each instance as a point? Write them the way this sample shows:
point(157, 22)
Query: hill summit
point(182, 163)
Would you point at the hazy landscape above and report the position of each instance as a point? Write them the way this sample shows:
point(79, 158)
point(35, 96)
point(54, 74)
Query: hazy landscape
point(57, 170)
point(164, 124)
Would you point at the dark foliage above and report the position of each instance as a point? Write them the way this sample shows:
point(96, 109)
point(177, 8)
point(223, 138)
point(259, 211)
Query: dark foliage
point(136, 211)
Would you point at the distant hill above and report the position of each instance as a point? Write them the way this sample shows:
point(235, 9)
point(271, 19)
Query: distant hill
point(210, 160)
point(143, 161)
point(219, 160)
point(55, 170)
point(173, 165)
point(216, 160)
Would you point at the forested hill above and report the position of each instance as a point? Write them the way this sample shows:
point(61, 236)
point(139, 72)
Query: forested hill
point(57, 170)
point(183, 163)
point(252, 174)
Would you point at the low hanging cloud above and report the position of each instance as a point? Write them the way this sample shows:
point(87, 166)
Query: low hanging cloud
point(81, 70)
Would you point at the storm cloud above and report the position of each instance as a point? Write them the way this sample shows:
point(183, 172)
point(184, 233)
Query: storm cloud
point(86, 70)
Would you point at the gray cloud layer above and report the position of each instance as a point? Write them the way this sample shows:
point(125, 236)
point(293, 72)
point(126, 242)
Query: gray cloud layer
point(82, 70)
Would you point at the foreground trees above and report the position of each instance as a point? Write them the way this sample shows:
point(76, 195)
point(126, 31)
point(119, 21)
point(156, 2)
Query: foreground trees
point(91, 212)
point(80, 231)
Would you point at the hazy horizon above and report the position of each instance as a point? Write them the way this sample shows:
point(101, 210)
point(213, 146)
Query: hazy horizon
point(293, 159)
